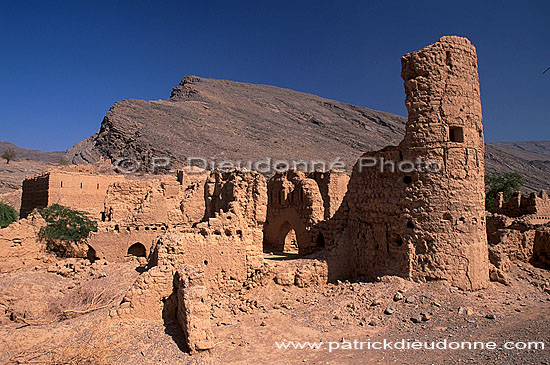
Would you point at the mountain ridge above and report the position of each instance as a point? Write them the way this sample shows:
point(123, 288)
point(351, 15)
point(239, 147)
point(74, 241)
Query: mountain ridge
point(228, 120)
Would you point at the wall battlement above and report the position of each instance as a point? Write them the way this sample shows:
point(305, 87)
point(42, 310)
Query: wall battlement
point(535, 207)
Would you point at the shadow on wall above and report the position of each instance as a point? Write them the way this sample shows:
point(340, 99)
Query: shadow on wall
point(297, 203)
point(170, 320)
point(137, 250)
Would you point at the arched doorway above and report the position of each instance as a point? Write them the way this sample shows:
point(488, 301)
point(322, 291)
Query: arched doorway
point(290, 242)
point(91, 254)
point(287, 241)
point(137, 249)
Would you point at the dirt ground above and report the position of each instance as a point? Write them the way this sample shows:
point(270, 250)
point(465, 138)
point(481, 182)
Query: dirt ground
point(59, 313)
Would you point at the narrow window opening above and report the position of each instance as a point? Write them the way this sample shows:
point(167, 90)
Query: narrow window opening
point(456, 134)
point(399, 241)
point(321, 240)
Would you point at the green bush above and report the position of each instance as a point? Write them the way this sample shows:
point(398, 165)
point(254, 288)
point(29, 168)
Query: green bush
point(9, 155)
point(507, 183)
point(8, 215)
point(66, 230)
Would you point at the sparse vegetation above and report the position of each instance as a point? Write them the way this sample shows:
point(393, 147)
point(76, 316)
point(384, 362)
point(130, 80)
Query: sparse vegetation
point(8, 215)
point(507, 183)
point(66, 230)
point(93, 348)
point(64, 161)
point(91, 296)
point(9, 155)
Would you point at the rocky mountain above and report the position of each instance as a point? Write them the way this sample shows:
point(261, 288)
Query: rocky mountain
point(32, 155)
point(530, 159)
point(218, 119)
point(227, 120)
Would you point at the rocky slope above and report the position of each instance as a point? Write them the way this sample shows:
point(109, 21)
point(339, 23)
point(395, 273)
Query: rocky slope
point(227, 120)
point(530, 159)
point(27, 162)
point(236, 121)
point(32, 155)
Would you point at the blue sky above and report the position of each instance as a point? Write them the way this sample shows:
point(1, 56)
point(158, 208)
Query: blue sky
point(63, 64)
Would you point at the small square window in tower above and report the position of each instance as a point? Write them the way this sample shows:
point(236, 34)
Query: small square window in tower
point(456, 134)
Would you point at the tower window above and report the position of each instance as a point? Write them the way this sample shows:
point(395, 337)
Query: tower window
point(456, 134)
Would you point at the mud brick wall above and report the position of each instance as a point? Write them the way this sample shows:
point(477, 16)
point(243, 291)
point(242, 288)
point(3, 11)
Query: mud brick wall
point(535, 206)
point(35, 194)
point(299, 201)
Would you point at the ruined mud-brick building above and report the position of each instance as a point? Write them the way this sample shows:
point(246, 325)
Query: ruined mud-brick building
point(518, 230)
point(417, 210)
point(535, 207)
point(297, 202)
point(226, 245)
point(132, 211)
point(421, 225)
point(82, 190)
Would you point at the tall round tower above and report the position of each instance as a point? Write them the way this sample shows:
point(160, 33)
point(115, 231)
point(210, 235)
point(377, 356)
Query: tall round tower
point(417, 210)
point(444, 130)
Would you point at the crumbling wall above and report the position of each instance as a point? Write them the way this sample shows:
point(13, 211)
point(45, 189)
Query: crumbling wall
point(227, 247)
point(35, 194)
point(541, 247)
point(298, 201)
point(333, 186)
point(169, 200)
point(517, 239)
point(19, 244)
point(417, 210)
point(239, 192)
point(193, 308)
point(113, 240)
point(81, 191)
point(534, 208)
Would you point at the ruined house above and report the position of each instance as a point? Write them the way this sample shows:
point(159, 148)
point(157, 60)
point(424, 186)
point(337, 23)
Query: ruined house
point(79, 190)
point(518, 229)
point(132, 211)
point(534, 208)
point(297, 203)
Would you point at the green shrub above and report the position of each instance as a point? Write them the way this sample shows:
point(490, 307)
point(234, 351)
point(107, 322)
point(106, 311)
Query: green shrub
point(8, 215)
point(8, 155)
point(66, 230)
point(507, 183)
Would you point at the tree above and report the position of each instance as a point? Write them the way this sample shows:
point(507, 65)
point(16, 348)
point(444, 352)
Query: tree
point(9, 155)
point(66, 230)
point(64, 161)
point(8, 215)
point(507, 183)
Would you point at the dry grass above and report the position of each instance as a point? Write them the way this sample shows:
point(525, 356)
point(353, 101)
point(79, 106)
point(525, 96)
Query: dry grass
point(96, 349)
point(90, 296)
